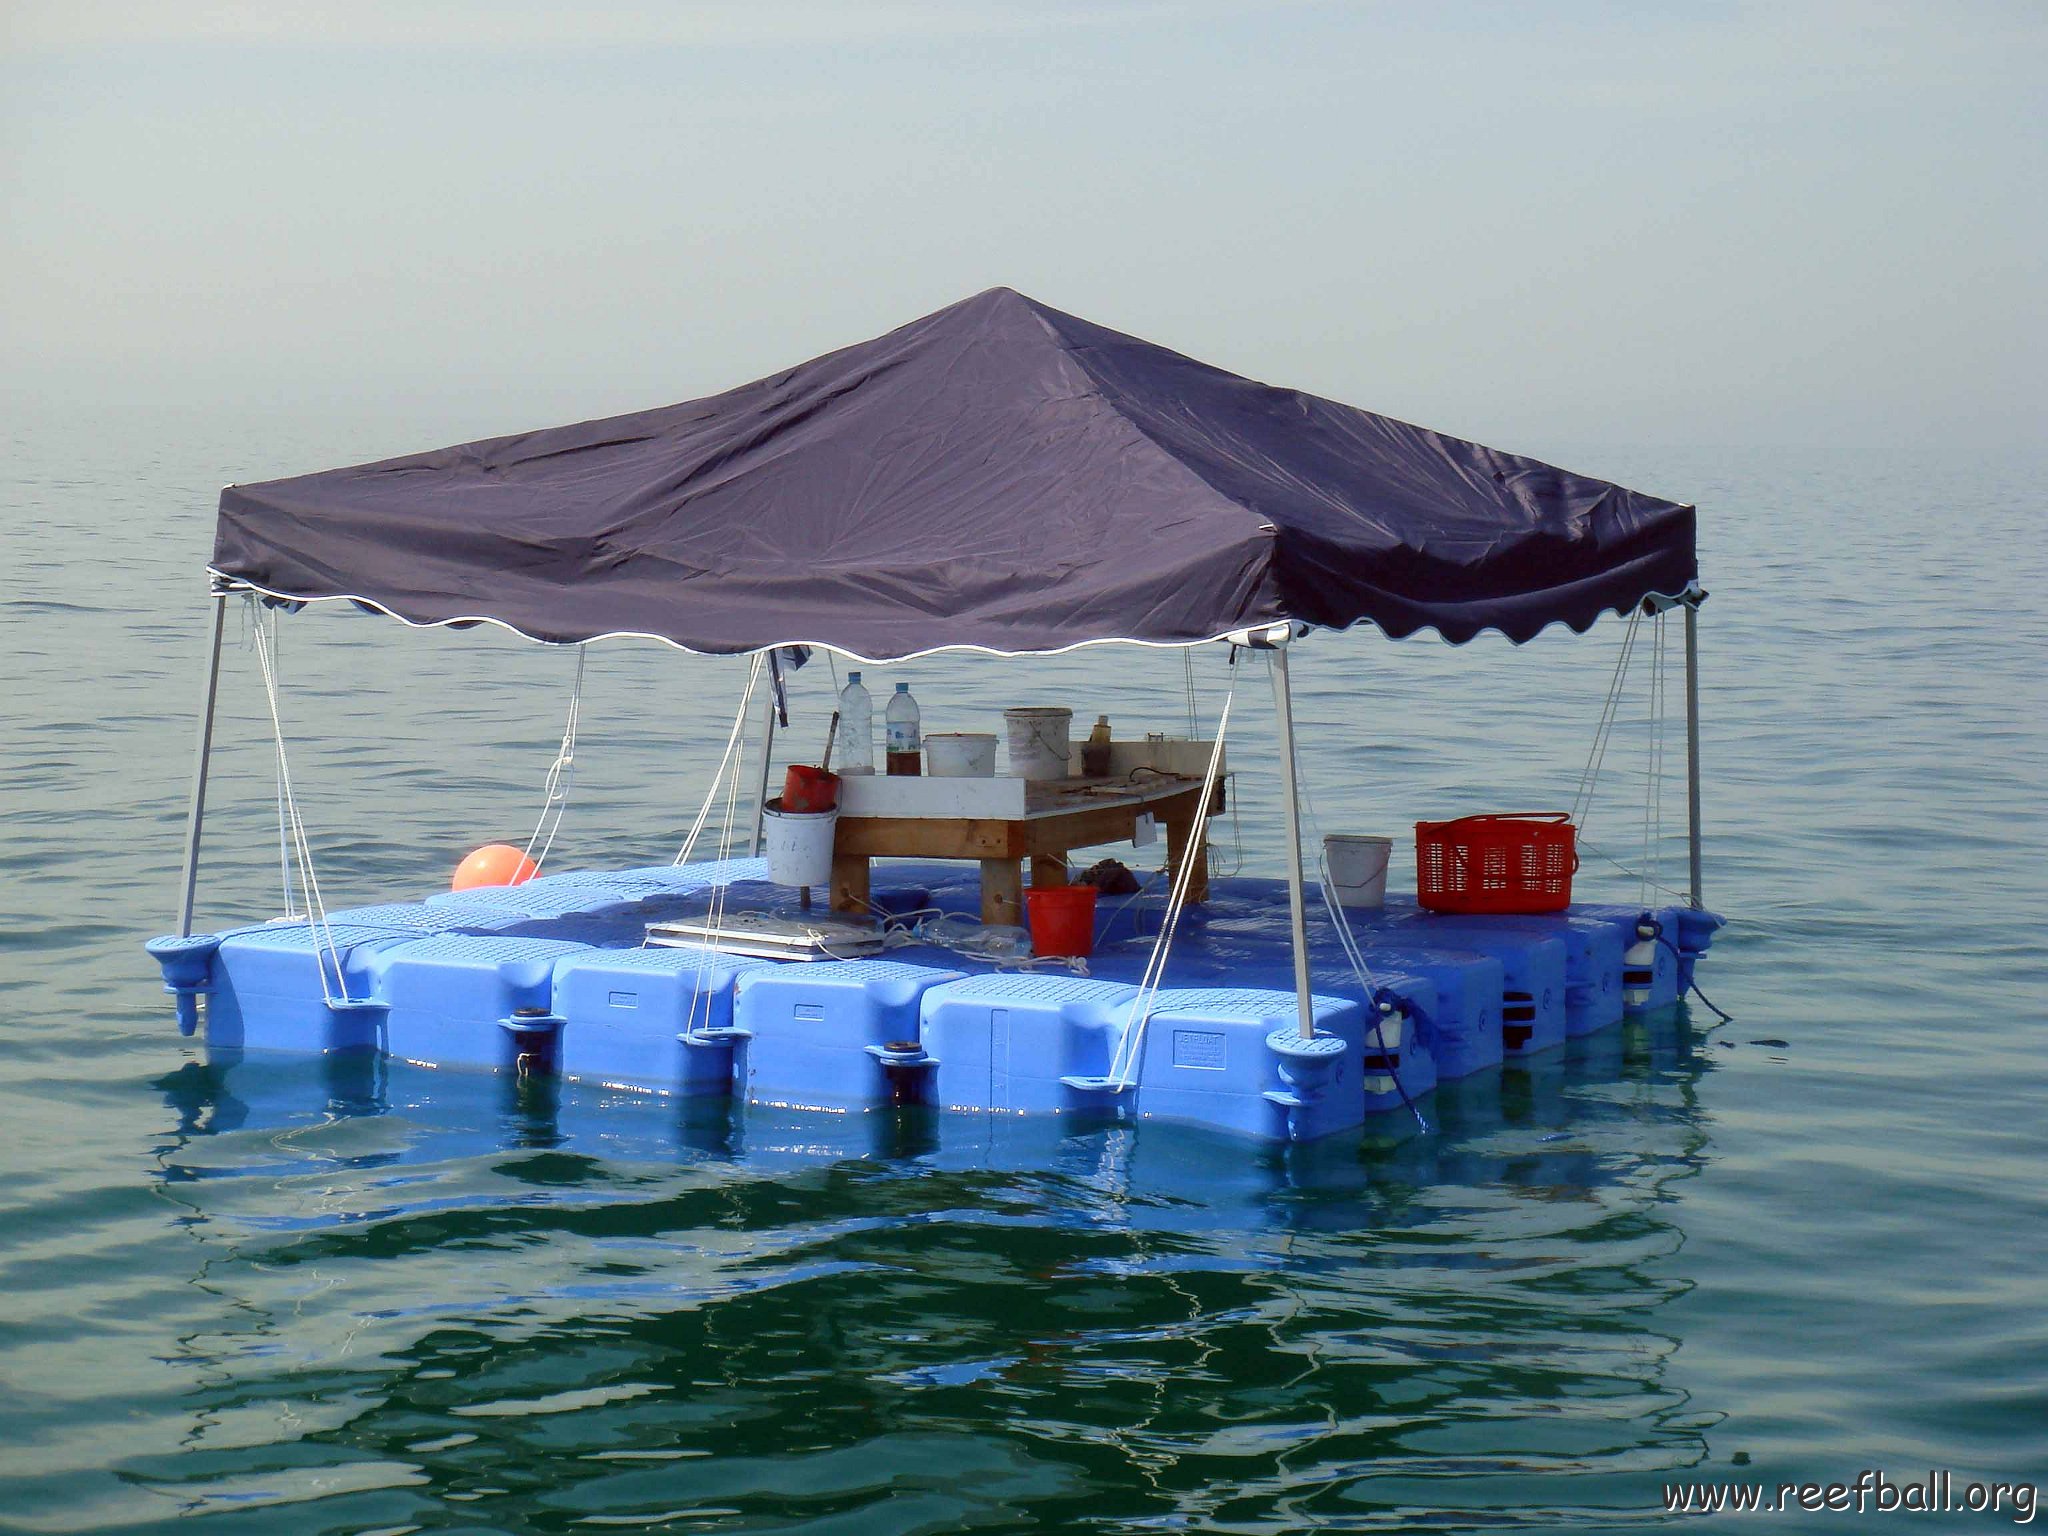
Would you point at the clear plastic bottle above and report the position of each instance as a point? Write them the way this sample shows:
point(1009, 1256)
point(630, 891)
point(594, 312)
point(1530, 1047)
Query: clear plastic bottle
point(906, 741)
point(856, 747)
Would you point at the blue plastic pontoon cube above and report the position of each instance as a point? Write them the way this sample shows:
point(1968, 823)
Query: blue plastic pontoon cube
point(1532, 977)
point(1403, 1043)
point(1691, 932)
point(458, 999)
point(1592, 993)
point(1658, 964)
point(1003, 1042)
point(1593, 974)
point(1463, 1026)
point(1227, 1057)
point(838, 1035)
point(1532, 965)
point(679, 879)
point(423, 917)
point(269, 991)
point(625, 1012)
point(641, 881)
point(543, 898)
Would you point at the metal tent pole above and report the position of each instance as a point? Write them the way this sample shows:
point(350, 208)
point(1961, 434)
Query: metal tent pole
point(1297, 909)
point(1692, 741)
point(196, 815)
point(761, 776)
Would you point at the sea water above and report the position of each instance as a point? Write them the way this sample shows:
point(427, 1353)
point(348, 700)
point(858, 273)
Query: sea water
point(299, 1296)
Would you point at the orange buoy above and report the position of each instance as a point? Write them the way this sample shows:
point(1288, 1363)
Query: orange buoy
point(494, 864)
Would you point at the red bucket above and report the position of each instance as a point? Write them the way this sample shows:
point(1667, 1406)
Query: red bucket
point(1062, 919)
point(806, 791)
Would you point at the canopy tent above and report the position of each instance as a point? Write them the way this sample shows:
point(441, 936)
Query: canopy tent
point(997, 475)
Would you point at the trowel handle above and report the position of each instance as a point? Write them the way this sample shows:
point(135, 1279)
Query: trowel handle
point(831, 735)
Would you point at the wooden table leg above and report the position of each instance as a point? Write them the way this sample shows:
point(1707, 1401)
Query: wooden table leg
point(850, 883)
point(1048, 870)
point(1180, 834)
point(1002, 891)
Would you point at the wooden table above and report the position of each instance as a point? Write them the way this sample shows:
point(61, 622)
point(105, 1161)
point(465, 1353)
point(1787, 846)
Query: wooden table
point(1058, 817)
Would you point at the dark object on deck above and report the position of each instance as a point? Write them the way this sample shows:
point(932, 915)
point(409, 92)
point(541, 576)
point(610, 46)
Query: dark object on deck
point(1111, 878)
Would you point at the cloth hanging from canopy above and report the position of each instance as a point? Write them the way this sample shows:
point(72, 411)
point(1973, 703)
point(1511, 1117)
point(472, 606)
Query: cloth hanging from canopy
point(997, 475)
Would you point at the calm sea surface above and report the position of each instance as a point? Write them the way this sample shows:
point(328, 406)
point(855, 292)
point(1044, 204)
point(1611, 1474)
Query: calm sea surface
point(288, 1298)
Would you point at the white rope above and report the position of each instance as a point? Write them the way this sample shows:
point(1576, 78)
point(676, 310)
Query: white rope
point(284, 844)
point(732, 742)
point(1236, 830)
point(1656, 738)
point(1682, 897)
point(1130, 1045)
point(716, 907)
point(561, 775)
point(1187, 658)
point(309, 882)
point(1345, 938)
point(1653, 763)
point(726, 777)
point(1603, 734)
point(1348, 941)
point(1664, 738)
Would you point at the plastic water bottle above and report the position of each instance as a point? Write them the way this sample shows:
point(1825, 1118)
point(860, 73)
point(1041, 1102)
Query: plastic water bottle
point(856, 728)
point(906, 742)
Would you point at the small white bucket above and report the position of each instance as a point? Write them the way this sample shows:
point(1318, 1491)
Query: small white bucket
point(960, 755)
point(1039, 748)
point(1358, 868)
point(799, 845)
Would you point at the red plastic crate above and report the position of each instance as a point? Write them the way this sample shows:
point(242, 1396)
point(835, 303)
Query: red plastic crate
point(1520, 862)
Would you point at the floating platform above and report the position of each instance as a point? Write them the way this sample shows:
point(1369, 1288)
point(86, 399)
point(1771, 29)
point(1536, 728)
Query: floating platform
point(555, 978)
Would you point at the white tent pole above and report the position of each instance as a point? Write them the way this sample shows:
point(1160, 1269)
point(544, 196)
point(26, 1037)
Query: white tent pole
point(761, 773)
point(196, 814)
point(1297, 908)
point(1692, 742)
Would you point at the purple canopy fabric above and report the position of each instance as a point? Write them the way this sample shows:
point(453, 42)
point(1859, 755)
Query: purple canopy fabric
point(997, 475)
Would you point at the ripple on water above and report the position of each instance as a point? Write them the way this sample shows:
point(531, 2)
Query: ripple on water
point(304, 1296)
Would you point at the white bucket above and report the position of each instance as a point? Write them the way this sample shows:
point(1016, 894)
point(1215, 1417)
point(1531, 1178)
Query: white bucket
point(960, 755)
point(1358, 868)
point(1039, 748)
point(799, 845)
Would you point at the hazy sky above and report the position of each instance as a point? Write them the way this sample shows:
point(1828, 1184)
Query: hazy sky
point(1709, 222)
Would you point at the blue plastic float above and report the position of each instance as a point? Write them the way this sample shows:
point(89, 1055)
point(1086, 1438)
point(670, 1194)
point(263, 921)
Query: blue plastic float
point(554, 977)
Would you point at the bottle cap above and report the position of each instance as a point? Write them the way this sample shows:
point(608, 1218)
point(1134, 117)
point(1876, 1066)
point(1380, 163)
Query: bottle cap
point(853, 677)
point(903, 687)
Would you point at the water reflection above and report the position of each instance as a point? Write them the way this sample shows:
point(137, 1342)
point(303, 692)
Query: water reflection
point(542, 1305)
